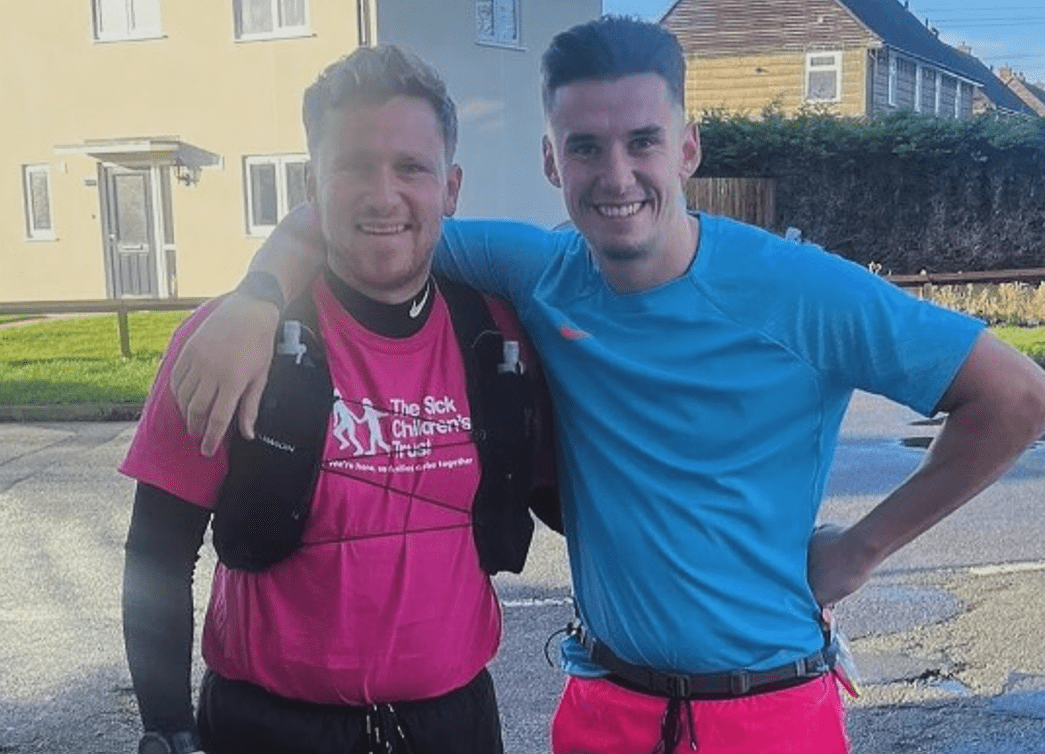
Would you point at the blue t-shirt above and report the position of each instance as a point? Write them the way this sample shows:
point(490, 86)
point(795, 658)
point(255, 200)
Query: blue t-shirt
point(696, 424)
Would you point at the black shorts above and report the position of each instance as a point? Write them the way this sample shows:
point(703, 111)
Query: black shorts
point(240, 718)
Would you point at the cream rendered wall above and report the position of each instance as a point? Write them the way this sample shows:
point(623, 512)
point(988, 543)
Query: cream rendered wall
point(34, 94)
point(60, 87)
point(747, 84)
point(497, 91)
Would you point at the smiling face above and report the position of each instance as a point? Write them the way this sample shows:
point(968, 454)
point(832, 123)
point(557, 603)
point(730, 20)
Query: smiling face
point(381, 183)
point(621, 151)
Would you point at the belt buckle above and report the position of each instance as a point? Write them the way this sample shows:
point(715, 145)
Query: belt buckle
point(815, 665)
point(739, 682)
point(678, 686)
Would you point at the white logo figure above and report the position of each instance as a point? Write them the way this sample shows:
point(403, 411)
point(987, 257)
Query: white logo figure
point(371, 416)
point(346, 421)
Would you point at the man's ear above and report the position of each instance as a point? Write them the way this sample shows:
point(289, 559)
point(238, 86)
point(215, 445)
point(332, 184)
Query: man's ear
point(690, 151)
point(454, 175)
point(550, 171)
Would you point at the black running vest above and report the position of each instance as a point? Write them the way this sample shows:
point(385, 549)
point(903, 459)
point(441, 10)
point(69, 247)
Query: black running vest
point(264, 502)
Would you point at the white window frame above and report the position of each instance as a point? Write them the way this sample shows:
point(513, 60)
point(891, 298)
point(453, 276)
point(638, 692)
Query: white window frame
point(935, 72)
point(836, 67)
point(918, 87)
point(280, 163)
point(894, 75)
point(938, 93)
point(496, 39)
point(31, 230)
point(366, 15)
point(140, 20)
point(278, 31)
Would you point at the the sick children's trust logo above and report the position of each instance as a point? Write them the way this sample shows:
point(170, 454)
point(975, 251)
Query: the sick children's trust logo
point(405, 429)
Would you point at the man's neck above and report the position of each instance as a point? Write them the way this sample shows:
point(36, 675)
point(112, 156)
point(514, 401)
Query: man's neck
point(399, 320)
point(670, 261)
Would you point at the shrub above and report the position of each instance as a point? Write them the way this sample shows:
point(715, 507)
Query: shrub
point(909, 191)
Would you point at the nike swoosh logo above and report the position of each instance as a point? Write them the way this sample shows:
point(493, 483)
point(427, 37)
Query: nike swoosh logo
point(418, 306)
point(572, 333)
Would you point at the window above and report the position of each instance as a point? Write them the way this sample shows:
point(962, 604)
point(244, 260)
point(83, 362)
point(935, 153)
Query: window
point(948, 97)
point(823, 76)
point(497, 22)
point(126, 19)
point(959, 106)
point(36, 183)
point(967, 95)
point(257, 19)
point(275, 184)
point(906, 78)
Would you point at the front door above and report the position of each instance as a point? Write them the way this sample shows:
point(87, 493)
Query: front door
point(130, 232)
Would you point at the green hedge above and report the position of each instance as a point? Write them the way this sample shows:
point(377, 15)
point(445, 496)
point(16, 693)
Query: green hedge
point(910, 192)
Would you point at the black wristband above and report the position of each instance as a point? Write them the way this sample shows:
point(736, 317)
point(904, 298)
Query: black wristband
point(262, 286)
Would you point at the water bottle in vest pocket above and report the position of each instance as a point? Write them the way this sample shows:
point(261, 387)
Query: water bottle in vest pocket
point(264, 503)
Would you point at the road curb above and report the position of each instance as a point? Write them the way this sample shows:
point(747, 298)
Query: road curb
point(81, 412)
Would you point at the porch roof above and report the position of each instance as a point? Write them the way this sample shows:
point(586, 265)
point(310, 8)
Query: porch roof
point(137, 150)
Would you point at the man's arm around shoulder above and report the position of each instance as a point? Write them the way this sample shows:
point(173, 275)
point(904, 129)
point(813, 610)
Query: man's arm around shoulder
point(224, 365)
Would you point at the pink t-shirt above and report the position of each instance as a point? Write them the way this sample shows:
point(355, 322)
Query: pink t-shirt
point(386, 600)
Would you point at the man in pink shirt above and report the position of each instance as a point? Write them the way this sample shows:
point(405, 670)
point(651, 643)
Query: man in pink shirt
point(374, 633)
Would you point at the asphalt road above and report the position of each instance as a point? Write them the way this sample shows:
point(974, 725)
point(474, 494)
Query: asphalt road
point(948, 634)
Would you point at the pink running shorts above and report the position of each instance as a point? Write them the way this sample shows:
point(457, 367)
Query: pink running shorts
point(596, 716)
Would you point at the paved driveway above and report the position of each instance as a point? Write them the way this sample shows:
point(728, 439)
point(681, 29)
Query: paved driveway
point(949, 633)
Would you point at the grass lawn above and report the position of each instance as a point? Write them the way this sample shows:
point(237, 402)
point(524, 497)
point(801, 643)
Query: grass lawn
point(1030, 340)
point(78, 360)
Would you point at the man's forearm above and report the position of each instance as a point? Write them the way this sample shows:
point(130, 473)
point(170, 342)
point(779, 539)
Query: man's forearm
point(164, 538)
point(996, 408)
point(294, 251)
point(992, 419)
point(973, 449)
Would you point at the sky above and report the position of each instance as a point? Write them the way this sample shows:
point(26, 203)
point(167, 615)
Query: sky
point(1006, 33)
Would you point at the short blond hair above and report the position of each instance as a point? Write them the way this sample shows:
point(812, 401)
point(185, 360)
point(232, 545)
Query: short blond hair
point(372, 76)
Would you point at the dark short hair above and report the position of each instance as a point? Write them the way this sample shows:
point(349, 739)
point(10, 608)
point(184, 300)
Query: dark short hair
point(372, 76)
point(611, 48)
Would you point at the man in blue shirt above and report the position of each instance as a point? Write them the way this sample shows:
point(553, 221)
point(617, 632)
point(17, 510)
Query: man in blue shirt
point(700, 370)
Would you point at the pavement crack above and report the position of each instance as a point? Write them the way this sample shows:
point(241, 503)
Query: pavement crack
point(35, 451)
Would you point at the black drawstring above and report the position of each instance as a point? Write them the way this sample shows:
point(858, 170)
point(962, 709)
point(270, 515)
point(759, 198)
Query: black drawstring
point(693, 745)
point(671, 727)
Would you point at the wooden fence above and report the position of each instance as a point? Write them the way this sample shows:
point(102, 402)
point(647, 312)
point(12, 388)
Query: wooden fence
point(988, 277)
point(751, 200)
point(120, 307)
